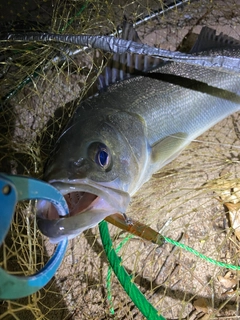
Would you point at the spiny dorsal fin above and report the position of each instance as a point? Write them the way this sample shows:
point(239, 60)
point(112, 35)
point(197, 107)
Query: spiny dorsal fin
point(123, 66)
point(208, 40)
point(128, 32)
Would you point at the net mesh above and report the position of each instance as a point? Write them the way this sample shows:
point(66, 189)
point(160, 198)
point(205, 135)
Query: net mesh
point(41, 85)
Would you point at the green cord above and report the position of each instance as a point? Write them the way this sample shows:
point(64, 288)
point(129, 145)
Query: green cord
point(202, 256)
point(123, 277)
point(109, 273)
point(20, 86)
point(72, 19)
point(136, 296)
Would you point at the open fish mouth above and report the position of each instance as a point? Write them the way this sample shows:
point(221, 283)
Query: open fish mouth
point(84, 196)
point(77, 201)
point(88, 205)
point(86, 210)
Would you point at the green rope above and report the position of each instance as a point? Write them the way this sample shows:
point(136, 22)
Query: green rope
point(19, 86)
point(77, 14)
point(202, 256)
point(109, 273)
point(136, 296)
point(123, 277)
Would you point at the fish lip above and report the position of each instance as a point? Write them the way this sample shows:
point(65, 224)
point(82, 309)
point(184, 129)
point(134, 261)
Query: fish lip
point(62, 228)
point(116, 198)
point(108, 201)
point(113, 200)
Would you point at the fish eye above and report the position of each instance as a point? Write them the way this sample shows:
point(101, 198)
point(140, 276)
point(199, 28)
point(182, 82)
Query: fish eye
point(100, 154)
point(102, 158)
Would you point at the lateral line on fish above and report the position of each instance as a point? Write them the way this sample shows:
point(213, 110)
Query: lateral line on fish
point(195, 85)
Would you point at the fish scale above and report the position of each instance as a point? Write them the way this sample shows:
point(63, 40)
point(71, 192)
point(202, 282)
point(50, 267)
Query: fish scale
point(167, 108)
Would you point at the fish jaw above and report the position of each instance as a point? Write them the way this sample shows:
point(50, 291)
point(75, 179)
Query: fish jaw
point(89, 203)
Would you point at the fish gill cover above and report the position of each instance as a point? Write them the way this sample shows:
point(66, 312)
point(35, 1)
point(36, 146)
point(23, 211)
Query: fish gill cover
point(194, 199)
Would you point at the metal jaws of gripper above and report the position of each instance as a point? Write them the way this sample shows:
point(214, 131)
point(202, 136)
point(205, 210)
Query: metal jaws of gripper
point(15, 188)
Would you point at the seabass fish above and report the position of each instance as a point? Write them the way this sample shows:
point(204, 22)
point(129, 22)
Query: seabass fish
point(116, 140)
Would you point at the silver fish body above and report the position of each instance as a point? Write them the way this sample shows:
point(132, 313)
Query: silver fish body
point(115, 141)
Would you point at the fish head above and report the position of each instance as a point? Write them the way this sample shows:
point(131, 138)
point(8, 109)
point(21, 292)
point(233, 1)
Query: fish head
point(93, 165)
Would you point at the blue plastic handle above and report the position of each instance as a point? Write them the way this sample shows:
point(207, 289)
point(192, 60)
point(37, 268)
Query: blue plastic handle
point(12, 189)
point(8, 200)
point(14, 287)
point(29, 188)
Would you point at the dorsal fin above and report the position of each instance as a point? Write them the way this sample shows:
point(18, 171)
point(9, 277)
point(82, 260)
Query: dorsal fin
point(208, 40)
point(123, 66)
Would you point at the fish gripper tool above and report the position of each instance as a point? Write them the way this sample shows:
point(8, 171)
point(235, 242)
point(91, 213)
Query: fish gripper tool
point(14, 188)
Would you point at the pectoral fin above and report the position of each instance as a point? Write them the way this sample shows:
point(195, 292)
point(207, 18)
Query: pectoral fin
point(168, 148)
